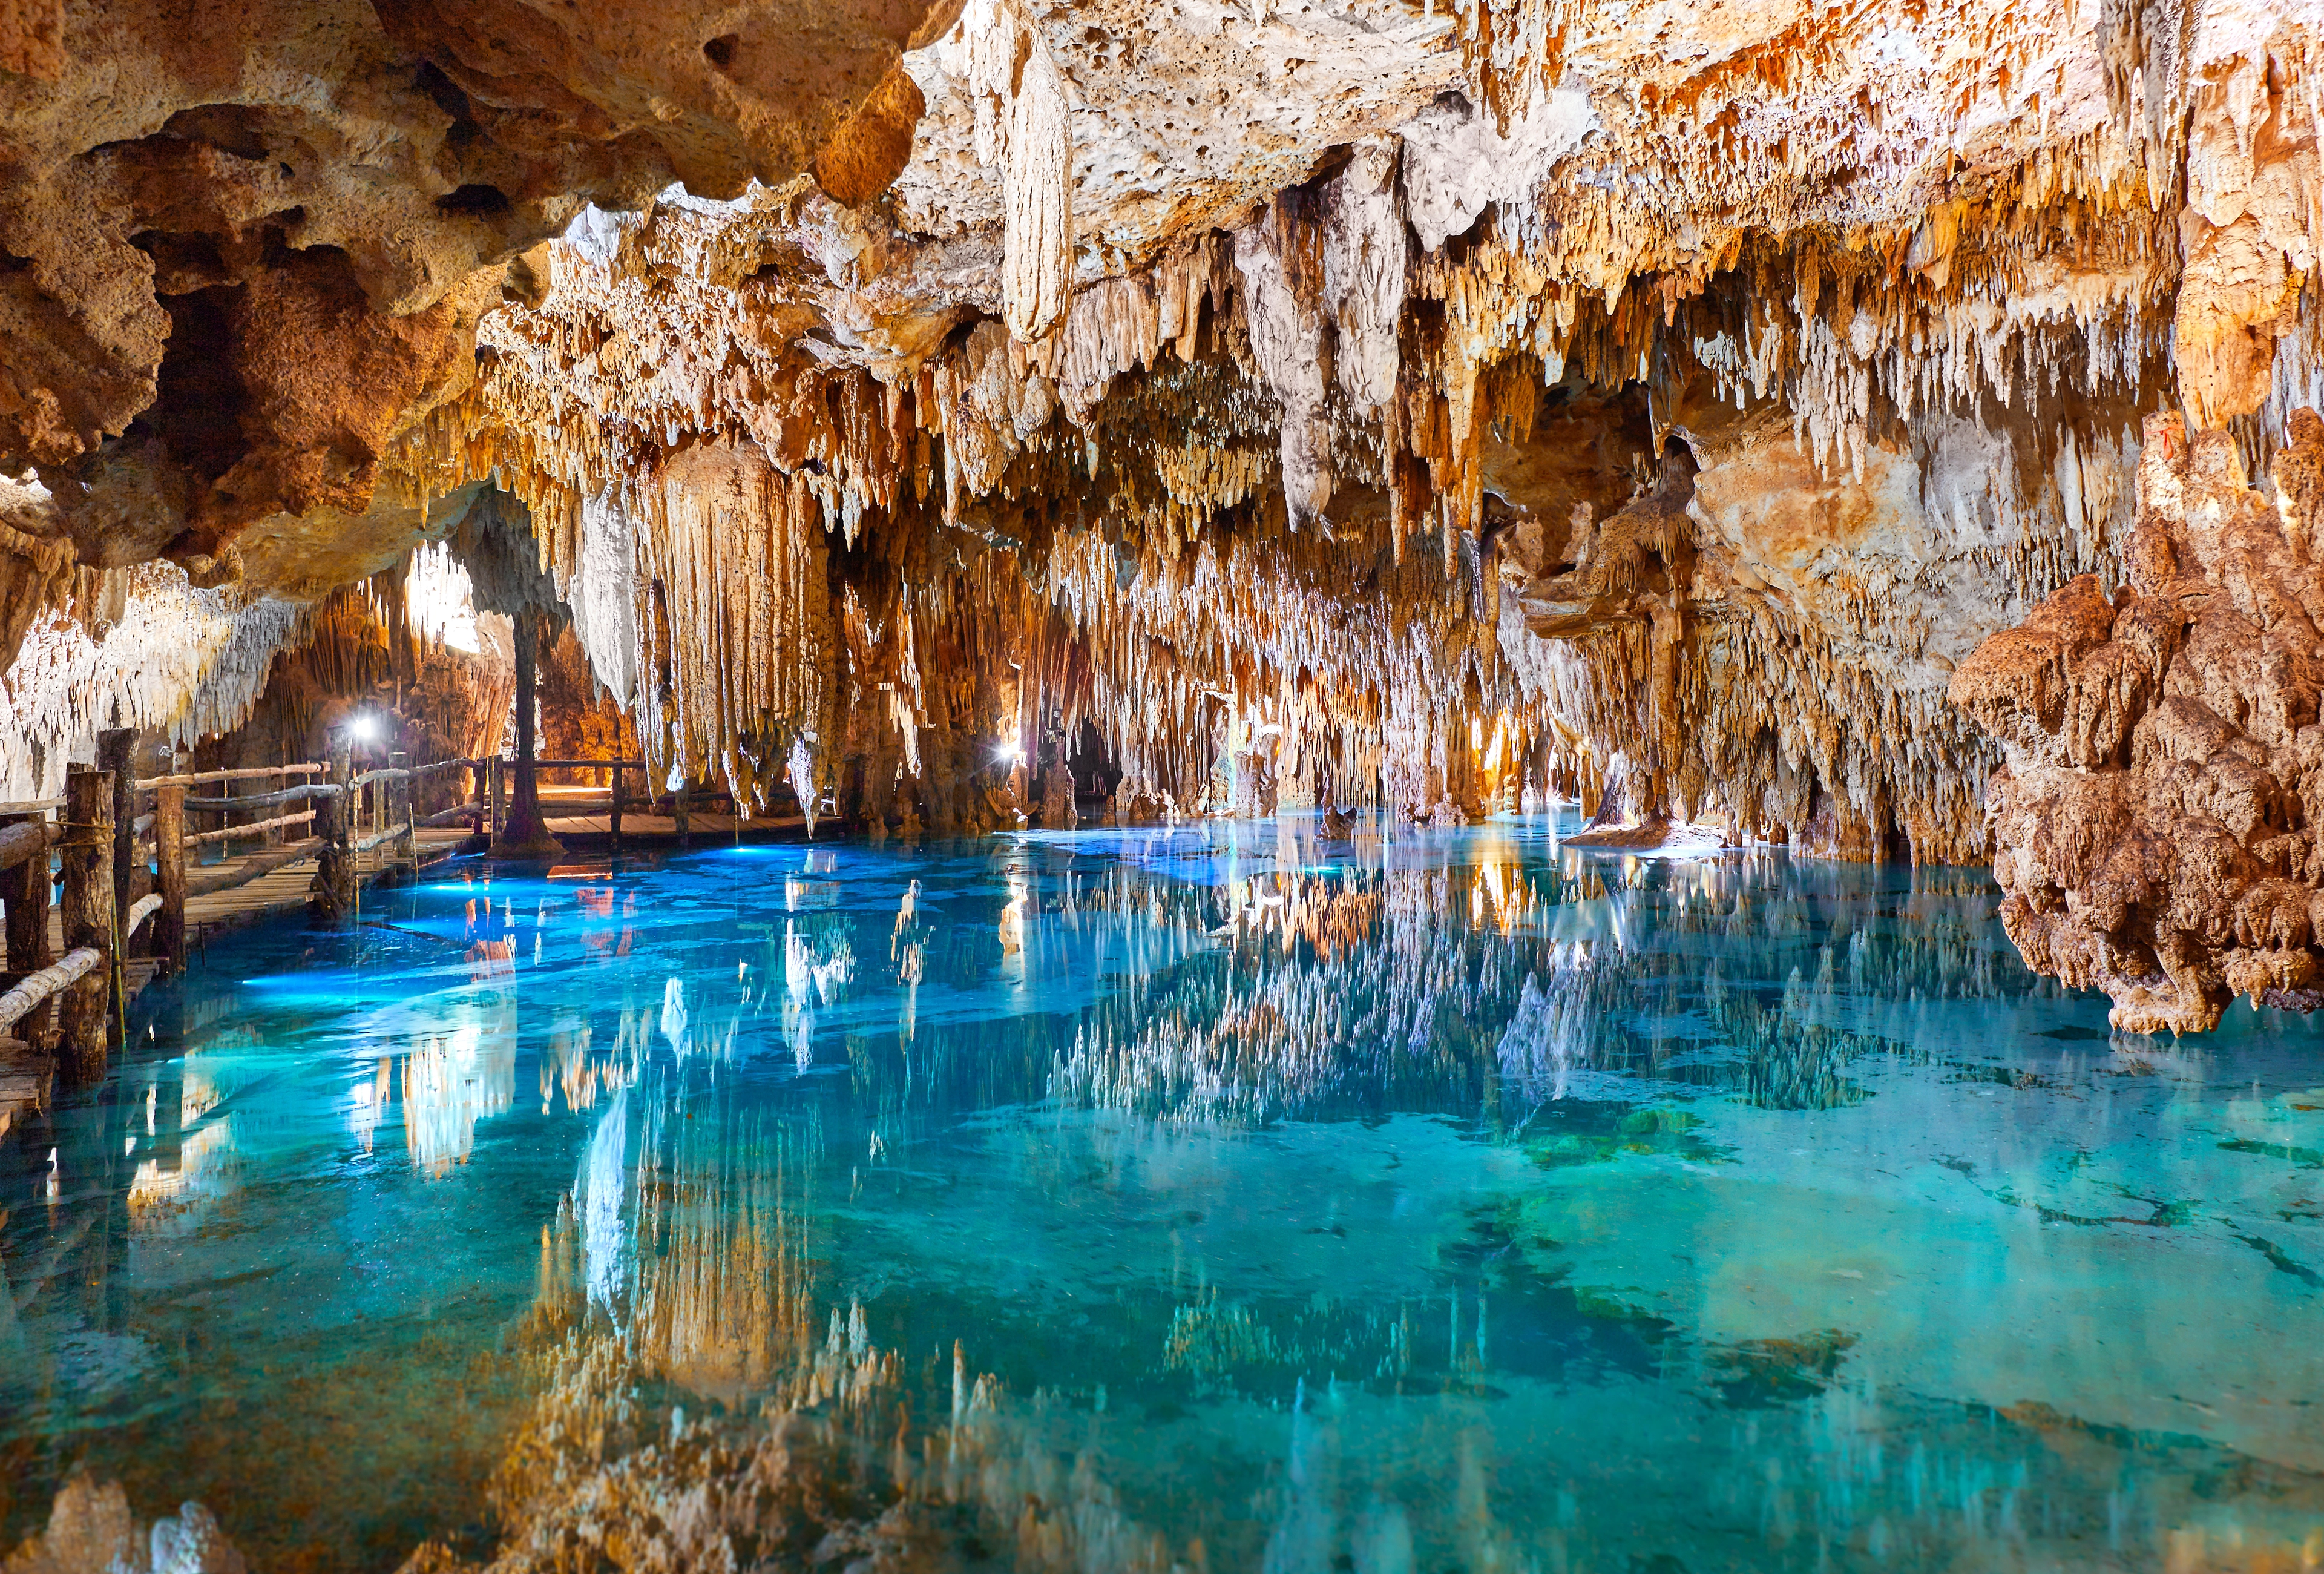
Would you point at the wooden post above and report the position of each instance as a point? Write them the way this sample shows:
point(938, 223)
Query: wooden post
point(678, 808)
point(618, 796)
point(500, 798)
point(25, 889)
point(331, 895)
point(88, 918)
point(399, 808)
point(524, 807)
point(170, 859)
point(116, 753)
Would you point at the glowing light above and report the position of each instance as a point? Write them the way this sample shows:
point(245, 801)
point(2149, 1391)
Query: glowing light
point(365, 727)
point(437, 593)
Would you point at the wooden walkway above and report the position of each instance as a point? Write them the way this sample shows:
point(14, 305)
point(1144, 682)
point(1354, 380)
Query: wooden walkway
point(26, 1074)
point(286, 888)
point(587, 811)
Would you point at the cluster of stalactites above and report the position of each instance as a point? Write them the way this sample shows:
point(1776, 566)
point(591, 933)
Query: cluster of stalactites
point(138, 647)
point(1198, 472)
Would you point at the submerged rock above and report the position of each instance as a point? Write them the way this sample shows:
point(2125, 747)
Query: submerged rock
point(91, 1530)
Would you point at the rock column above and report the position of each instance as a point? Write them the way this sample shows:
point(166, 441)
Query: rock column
point(525, 836)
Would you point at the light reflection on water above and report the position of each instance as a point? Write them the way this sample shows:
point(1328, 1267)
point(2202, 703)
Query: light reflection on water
point(1248, 1200)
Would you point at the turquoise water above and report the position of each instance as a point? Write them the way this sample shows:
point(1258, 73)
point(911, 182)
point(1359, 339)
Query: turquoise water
point(1457, 1202)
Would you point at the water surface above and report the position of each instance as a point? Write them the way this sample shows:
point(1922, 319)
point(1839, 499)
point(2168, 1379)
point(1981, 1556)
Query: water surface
point(1452, 1201)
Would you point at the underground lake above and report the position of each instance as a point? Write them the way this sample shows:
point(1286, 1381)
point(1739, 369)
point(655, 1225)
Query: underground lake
point(1224, 1196)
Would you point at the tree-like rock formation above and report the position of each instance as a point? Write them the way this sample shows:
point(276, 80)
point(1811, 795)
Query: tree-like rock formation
point(2156, 826)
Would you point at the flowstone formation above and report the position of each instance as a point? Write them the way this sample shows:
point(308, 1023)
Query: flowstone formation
point(1009, 410)
point(2156, 825)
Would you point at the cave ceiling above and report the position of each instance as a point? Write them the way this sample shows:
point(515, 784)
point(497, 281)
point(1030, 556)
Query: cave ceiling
point(1357, 402)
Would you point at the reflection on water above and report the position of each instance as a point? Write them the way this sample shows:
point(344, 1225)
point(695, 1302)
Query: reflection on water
point(1216, 1198)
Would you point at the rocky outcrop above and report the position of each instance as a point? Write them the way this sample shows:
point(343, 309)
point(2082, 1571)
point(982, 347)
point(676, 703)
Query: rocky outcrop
point(2156, 828)
point(249, 243)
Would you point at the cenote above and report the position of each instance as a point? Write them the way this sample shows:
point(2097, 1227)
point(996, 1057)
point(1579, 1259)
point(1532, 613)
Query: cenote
point(1220, 1197)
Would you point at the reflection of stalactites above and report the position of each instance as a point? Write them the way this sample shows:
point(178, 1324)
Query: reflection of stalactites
point(1012, 924)
point(571, 1065)
point(823, 966)
point(1550, 1034)
point(673, 1014)
point(163, 1195)
point(908, 948)
point(724, 1301)
point(598, 1190)
point(1307, 1534)
point(450, 1082)
point(368, 1104)
point(558, 1294)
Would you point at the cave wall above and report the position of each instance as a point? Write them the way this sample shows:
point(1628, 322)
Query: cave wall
point(1314, 403)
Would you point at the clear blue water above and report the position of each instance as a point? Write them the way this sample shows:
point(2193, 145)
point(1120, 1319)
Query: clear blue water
point(1458, 1201)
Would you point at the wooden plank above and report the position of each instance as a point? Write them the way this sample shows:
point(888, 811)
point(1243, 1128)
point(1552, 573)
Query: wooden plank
point(220, 877)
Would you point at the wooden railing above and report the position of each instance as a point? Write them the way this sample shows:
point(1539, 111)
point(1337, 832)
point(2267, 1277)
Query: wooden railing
point(103, 837)
point(102, 845)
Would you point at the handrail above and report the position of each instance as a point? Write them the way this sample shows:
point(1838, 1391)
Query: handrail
point(143, 908)
point(245, 773)
point(69, 969)
point(218, 878)
point(229, 832)
point(27, 840)
point(31, 805)
point(298, 794)
point(391, 834)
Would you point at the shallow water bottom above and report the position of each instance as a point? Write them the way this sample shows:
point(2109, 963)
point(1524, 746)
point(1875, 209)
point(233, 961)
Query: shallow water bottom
point(1218, 1198)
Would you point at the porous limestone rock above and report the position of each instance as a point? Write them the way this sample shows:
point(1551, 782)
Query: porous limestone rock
point(247, 244)
point(2156, 826)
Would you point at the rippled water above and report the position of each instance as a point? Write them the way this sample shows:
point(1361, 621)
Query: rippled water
point(1453, 1202)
